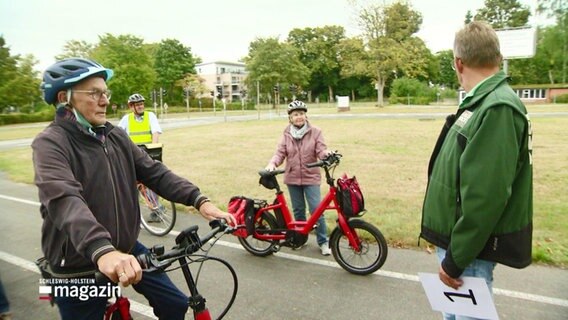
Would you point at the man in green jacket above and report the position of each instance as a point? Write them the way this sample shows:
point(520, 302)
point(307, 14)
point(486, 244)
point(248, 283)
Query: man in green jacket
point(478, 204)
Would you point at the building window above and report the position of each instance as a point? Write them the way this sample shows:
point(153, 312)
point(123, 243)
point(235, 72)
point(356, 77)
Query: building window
point(526, 94)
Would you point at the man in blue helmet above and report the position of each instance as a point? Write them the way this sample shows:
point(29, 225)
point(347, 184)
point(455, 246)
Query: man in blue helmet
point(86, 172)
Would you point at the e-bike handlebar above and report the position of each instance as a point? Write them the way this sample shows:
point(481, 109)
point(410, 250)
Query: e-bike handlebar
point(266, 173)
point(331, 159)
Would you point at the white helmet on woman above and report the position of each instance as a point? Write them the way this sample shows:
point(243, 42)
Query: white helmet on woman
point(297, 105)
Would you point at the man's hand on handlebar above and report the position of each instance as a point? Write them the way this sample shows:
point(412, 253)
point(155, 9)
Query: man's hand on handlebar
point(120, 268)
point(209, 211)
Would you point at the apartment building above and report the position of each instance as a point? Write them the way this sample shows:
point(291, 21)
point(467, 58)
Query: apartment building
point(227, 76)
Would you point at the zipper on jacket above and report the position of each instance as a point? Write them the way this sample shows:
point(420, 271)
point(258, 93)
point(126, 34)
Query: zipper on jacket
point(64, 250)
point(298, 145)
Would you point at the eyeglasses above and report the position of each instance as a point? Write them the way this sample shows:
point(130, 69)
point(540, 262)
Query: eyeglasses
point(96, 94)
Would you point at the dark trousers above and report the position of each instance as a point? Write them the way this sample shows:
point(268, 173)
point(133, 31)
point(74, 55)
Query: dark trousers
point(167, 301)
point(4, 304)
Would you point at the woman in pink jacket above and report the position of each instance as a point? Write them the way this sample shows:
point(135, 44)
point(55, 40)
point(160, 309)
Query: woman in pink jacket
point(301, 144)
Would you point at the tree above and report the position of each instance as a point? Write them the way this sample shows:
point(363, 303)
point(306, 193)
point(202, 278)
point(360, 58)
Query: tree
point(504, 14)
point(19, 82)
point(24, 88)
point(272, 63)
point(194, 83)
point(132, 64)
point(548, 64)
point(447, 76)
point(7, 62)
point(559, 10)
point(387, 45)
point(173, 61)
point(417, 66)
point(401, 22)
point(76, 49)
point(468, 17)
point(354, 60)
point(317, 51)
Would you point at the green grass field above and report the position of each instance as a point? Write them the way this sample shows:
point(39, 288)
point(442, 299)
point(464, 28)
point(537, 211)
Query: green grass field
point(388, 156)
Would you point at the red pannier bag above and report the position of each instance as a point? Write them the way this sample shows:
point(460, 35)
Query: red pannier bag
point(350, 197)
point(242, 208)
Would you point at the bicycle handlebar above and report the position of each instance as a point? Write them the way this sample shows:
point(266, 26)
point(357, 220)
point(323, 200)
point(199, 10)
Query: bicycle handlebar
point(332, 159)
point(188, 242)
point(266, 173)
point(150, 146)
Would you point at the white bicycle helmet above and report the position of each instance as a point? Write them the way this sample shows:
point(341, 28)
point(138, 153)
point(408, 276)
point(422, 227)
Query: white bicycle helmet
point(135, 98)
point(297, 105)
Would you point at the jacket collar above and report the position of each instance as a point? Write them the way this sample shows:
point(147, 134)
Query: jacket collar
point(66, 119)
point(484, 89)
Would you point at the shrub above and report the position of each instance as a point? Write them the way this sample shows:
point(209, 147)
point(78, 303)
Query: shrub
point(561, 98)
point(410, 100)
point(411, 91)
point(13, 118)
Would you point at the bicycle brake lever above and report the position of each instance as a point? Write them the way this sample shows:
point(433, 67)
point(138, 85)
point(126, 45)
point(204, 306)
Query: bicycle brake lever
point(231, 229)
point(101, 278)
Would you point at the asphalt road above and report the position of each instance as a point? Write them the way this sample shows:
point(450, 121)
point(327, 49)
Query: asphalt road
point(289, 285)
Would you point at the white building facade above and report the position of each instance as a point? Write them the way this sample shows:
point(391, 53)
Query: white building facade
point(227, 76)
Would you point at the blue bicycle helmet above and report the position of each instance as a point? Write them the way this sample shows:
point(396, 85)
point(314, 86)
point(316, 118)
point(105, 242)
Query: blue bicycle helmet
point(64, 74)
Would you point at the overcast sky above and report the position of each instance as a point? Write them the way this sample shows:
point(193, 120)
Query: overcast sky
point(214, 30)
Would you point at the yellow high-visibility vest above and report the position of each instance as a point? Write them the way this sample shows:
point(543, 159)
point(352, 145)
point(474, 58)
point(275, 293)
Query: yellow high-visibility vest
point(139, 131)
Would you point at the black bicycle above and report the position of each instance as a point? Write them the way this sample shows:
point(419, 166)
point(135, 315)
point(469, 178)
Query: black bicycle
point(185, 252)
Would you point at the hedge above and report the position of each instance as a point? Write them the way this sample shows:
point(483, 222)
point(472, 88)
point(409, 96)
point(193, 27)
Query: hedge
point(13, 118)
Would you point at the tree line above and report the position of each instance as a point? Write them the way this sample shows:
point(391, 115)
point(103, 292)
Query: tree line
point(386, 59)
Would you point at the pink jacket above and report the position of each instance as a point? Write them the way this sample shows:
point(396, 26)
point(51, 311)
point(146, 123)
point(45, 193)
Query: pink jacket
point(298, 153)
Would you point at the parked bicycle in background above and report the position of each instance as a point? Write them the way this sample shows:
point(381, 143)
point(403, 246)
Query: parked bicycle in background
point(158, 215)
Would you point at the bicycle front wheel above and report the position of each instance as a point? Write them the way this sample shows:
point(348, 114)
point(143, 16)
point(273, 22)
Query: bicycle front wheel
point(372, 252)
point(158, 215)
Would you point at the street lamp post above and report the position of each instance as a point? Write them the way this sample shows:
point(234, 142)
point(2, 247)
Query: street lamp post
point(187, 93)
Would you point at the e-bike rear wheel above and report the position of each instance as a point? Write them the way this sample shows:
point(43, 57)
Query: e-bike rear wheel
point(264, 224)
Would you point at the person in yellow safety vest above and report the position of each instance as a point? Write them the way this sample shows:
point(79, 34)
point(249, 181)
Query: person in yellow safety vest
point(142, 127)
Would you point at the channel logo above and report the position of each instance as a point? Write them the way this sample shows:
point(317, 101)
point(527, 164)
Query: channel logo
point(82, 289)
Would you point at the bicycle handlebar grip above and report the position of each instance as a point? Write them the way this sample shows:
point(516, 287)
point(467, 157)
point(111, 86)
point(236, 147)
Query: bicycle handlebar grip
point(266, 173)
point(315, 164)
point(143, 260)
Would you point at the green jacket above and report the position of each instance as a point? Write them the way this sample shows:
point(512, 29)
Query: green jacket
point(478, 203)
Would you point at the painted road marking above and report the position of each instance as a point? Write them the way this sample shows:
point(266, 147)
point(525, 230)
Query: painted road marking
point(28, 265)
